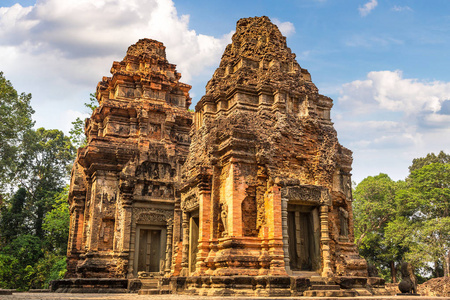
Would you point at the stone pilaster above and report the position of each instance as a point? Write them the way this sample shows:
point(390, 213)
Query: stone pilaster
point(169, 248)
point(204, 230)
point(284, 222)
point(185, 253)
point(325, 241)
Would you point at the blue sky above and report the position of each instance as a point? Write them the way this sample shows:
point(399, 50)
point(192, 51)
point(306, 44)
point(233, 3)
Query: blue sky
point(385, 63)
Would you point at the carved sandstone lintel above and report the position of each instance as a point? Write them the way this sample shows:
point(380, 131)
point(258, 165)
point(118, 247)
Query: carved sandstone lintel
point(314, 195)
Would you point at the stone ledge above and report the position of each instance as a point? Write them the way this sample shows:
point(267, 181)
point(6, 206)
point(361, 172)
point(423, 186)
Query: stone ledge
point(39, 291)
point(5, 292)
point(90, 285)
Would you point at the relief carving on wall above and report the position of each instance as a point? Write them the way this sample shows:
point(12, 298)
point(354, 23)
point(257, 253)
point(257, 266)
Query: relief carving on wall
point(107, 204)
point(224, 219)
point(158, 189)
point(315, 195)
point(155, 170)
point(189, 201)
point(343, 219)
point(152, 216)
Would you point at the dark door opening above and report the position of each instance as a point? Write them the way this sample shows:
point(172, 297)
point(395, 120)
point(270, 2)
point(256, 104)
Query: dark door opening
point(303, 240)
point(193, 243)
point(149, 254)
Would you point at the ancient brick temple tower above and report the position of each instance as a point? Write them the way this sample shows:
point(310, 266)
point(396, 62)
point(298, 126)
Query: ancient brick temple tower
point(251, 196)
point(266, 188)
point(123, 195)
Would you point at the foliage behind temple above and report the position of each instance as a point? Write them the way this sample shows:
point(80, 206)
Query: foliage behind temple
point(406, 220)
point(33, 199)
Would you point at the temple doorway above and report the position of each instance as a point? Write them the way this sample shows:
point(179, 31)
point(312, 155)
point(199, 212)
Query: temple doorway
point(193, 241)
point(303, 238)
point(150, 249)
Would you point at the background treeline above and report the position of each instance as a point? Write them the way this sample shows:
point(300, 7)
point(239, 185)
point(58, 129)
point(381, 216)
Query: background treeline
point(406, 220)
point(394, 220)
point(34, 214)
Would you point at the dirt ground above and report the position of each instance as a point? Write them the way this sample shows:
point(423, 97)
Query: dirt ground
point(57, 296)
point(435, 286)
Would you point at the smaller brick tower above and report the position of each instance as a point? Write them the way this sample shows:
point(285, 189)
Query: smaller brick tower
point(123, 193)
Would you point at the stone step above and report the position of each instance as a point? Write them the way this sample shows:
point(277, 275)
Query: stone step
point(150, 283)
point(39, 291)
point(154, 292)
point(5, 292)
point(338, 293)
point(328, 287)
point(317, 280)
point(149, 292)
point(305, 273)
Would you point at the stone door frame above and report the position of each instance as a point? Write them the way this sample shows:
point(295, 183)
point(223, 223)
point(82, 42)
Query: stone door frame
point(162, 247)
point(308, 195)
point(150, 218)
point(313, 247)
point(193, 214)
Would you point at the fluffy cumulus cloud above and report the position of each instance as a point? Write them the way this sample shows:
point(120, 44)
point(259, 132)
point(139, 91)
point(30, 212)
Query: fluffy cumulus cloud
point(388, 90)
point(389, 114)
point(59, 50)
point(286, 28)
point(367, 8)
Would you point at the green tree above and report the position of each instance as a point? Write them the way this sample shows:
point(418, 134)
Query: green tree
point(14, 219)
point(50, 267)
point(56, 223)
point(43, 170)
point(34, 220)
point(15, 120)
point(9, 268)
point(77, 135)
point(406, 220)
point(28, 261)
point(420, 162)
point(374, 206)
point(24, 251)
point(430, 190)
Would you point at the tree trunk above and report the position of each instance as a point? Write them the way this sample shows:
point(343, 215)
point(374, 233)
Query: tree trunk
point(393, 272)
point(446, 265)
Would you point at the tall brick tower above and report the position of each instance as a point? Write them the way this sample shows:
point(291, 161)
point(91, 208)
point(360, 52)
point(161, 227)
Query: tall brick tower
point(266, 187)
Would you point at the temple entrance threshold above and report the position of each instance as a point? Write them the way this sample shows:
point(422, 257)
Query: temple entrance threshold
point(150, 245)
point(193, 242)
point(303, 238)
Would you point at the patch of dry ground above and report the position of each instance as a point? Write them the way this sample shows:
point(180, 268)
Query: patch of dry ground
point(435, 287)
point(57, 296)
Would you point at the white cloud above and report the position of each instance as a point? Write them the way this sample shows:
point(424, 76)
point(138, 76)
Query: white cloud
point(401, 8)
point(388, 90)
point(371, 41)
point(367, 8)
point(71, 115)
point(388, 120)
point(286, 28)
point(59, 50)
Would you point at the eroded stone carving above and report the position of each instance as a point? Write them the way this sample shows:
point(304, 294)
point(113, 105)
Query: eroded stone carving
point(224, 219)
point(408, 285)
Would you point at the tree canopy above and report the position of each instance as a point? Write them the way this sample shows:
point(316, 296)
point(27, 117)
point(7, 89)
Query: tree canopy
point(15, 121)
point(34, 213)
point(406, 220)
